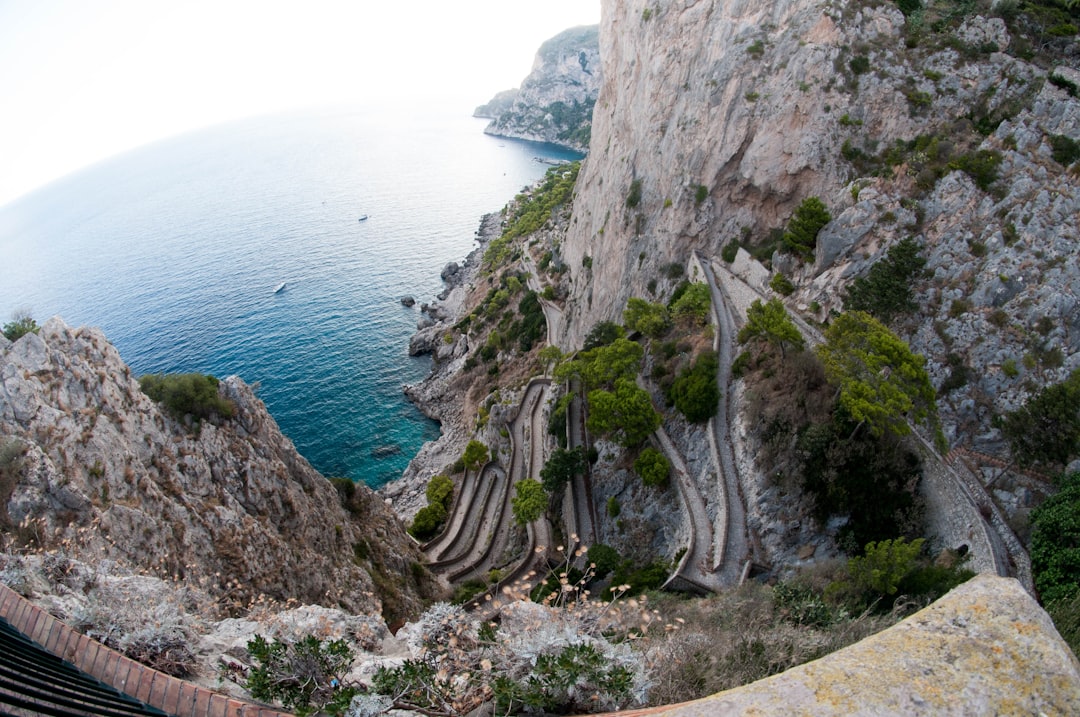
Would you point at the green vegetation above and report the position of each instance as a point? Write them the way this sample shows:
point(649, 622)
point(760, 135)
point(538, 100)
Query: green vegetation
point(882, 383)
point(781, 285)
point(982, 166)
point(625, 414)
point(1055, 543)
point(645, 317)
point(730, 251)
point(886, 289)
point(306, 677)
point(633, 197)
point(562, 466)
point(602, 334)
point(1065, 151)
point(529, 502)
point(701, 193)
point(188, 394)
point(771, 322)
point(692, 303)
point(604, 365)
point(695, 392)
point(475, 456)
point(802, 230)
point(883, 565)
point(1046, 429)
point(20, 325)
point(532, 210)
point(653, 467)
point(430, 519)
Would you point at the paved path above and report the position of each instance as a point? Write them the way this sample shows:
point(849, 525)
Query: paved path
point(736, 546)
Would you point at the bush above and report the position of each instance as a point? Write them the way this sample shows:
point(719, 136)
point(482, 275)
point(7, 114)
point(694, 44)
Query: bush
point(1046, 429)
point(428, 521)
point(645, 317)
point(19, 326)
point(781, 285)
point(730, 251)
point(604, 558)
point(653, 467)
point(981, 166)
point(1055, 543)
point(884, 564)
point(188, 394)
point(1065, 151)
point(475, 455)
point(305, 676)
point(440, 489)
point(701, 194)
point(529, 502)
point(693, 303)
point(695, 392)
point(860, 64)
point(886, 290)
point(809, 218)
point(633, 197)
point(602, 334)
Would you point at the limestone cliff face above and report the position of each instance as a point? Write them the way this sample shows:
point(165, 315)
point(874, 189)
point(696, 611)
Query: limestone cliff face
point(556, 100)
point(724, 116)
point(104, 474)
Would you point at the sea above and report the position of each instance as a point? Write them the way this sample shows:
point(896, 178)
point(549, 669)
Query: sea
point(175, 250)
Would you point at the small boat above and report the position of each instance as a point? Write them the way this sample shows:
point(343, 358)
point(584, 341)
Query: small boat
point(279, 288)
point(363, 218)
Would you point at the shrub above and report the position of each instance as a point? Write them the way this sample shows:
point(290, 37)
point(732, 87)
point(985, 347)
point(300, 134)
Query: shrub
point(1046, 429)
point(475, 456)
point(1055, 543)
point(1065, 151)
point(730, 251)
point(428, 521)
point(645, 317)
point(884, 564)
point(20, 325)
point(981, 166)
point(633, 197)
point(532, 210)
point(860, 64)
point(1008, 367)
point(305, 676)
point(529, 502)
point(886, 290)
point(602, 334)
point(188, 394)
point(781, 284)
point(802, 231)
point(562, 466)
point(653, 467)
point(701, 194)
point(440, 489)
point(693, 303)
point(613, 507)
point(604, 559)
point(756, 49)
point(695, 392)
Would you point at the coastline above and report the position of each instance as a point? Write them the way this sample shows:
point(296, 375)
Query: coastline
point(439, 395)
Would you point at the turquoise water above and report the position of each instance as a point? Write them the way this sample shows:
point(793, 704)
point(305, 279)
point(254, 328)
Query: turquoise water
point(175, 250)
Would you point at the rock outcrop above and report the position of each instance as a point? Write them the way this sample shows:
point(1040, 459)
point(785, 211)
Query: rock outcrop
point(718, 119)
point(102, 473)
point(985, 648)
point(555, 102)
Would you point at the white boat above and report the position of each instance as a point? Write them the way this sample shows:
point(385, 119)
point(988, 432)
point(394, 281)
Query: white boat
point(363, 218)
point(279, 288)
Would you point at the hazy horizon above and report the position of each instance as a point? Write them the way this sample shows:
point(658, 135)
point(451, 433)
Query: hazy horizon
point(84, 82)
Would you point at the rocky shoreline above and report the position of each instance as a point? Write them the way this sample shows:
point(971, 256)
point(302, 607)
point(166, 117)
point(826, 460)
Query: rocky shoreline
point(438, 396)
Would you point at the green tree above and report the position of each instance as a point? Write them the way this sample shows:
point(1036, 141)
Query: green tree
point(605, 558)
point(1055, 543)
point(886, 289)
point(550, 356)
point(802, 230)
point(603, 365)
point(882, 383)
point(530, 501)
point(440, 489)
point(695, 392)
point(475, 456)
point(694, 304)
point(562, 466)
point(428, 520)
point(602, 334)
point(884, 564)
point(1046, 429)
point(20, 325)
point(646, 317)
point(627, 414)
point(771, 322)
point(653, 467)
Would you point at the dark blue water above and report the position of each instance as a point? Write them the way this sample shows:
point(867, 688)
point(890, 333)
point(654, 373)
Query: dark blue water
point(175, 251)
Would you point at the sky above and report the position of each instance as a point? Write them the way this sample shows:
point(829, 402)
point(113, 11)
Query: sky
point(83, 80)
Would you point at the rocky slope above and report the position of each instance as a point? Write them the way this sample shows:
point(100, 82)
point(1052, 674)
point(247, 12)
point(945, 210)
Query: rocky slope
point(555, 102)
point(99, 472)
point(725, 116)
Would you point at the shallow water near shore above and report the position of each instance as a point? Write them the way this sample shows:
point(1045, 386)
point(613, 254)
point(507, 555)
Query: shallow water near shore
point(176, 250)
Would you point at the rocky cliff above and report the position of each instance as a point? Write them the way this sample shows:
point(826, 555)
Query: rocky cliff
point(718, 119)
point(96, 470)
point(555, 102)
